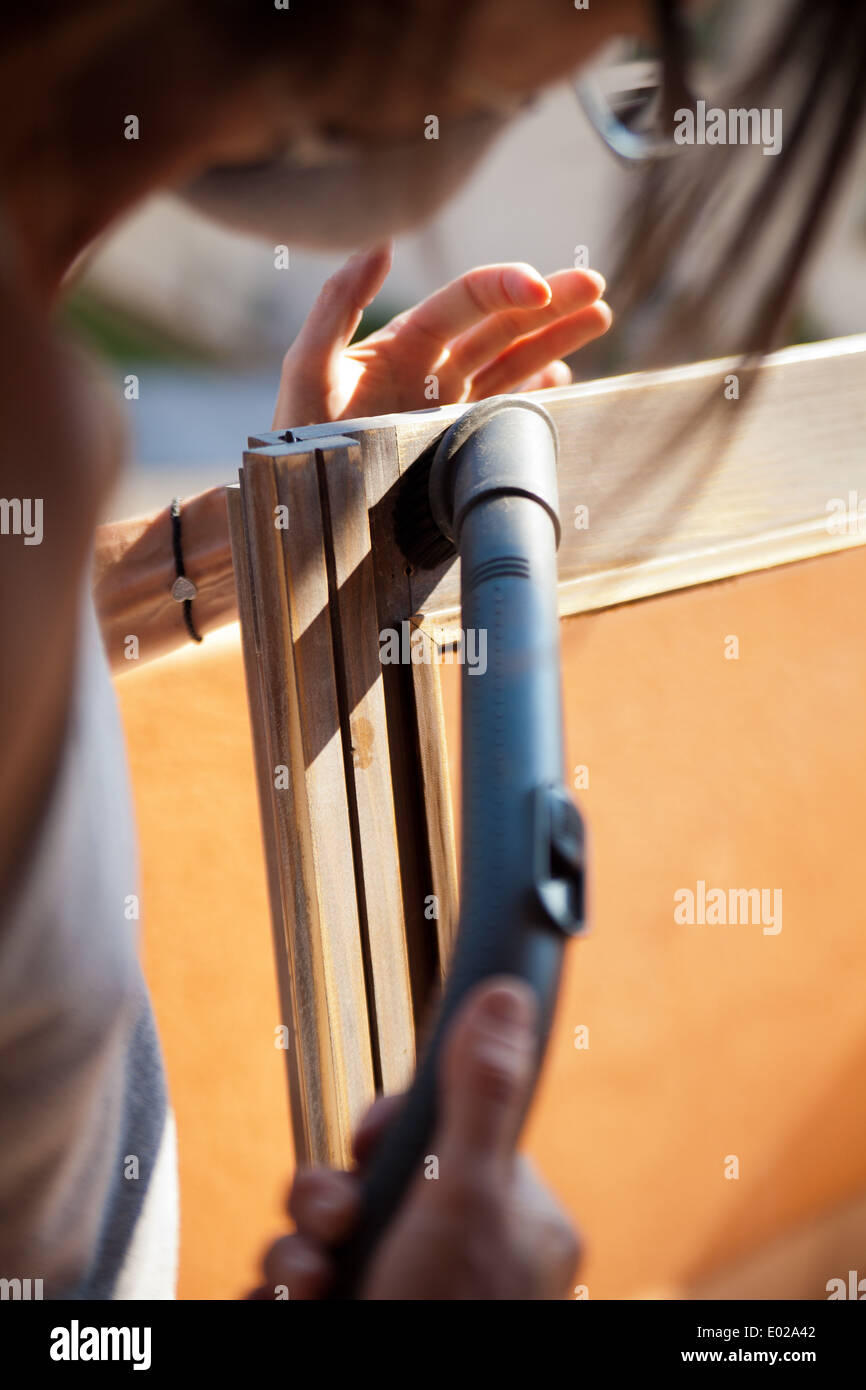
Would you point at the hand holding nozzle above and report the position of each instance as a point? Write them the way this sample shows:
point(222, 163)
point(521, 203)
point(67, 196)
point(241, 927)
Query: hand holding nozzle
point(474, 1196)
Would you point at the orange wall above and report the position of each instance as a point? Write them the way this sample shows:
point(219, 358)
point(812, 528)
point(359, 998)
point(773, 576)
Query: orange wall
point(704, 1041)
point(208, 958)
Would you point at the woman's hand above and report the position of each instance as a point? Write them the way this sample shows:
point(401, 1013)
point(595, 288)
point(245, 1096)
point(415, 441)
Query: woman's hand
point(497, 328)
point(485, 1228)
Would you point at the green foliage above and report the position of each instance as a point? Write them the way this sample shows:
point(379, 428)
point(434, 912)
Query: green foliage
point(117, 334)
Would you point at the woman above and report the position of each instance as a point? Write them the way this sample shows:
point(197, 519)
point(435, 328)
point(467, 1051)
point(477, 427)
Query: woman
point(87, 1184)
point(87, 1194)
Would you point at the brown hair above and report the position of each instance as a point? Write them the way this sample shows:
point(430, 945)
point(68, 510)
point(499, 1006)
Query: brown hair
point(702, 201)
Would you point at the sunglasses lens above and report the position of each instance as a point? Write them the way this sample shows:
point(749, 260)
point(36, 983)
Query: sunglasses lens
point(631, 92)
point(623, 98)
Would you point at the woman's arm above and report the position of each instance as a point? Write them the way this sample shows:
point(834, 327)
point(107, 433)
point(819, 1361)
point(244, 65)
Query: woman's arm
point(134, 570)
point(497, 328)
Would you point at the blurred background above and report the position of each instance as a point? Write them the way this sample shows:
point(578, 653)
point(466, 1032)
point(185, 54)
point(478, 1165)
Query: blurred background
point(202, 318)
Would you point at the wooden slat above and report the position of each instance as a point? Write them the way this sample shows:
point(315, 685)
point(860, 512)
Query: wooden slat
point(683, 486)
point(277, 885)
point(326, 805)
point(417, 829)
point(352, 880)
point(433, 755)
point(275, 656)
point(368, 764)
point(418, 774)
point(312, 820)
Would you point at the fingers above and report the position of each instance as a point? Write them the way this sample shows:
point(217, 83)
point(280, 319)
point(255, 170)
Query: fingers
point(571, 291)
point(554, 374)
point(542, 1232)
point(498, 325)
point(486, 1076)
point(294, 1267)
point(335, 316)
point(324, 1204)
point(373, 1126)
point(489, 330)
point(535, 351)
point(424, 331)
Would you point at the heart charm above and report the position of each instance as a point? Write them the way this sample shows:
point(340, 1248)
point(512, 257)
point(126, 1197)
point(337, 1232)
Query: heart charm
point(183, 588)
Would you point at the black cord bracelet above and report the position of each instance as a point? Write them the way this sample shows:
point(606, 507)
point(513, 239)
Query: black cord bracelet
point(183, 589)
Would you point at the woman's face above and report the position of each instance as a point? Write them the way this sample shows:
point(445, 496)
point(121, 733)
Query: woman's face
point(343, 164)
point(330, 151)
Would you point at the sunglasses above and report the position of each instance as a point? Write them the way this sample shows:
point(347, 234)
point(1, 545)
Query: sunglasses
point(631, 95)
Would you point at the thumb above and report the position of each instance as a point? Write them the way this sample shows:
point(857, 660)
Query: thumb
point(335, 316)
point(487, 1072)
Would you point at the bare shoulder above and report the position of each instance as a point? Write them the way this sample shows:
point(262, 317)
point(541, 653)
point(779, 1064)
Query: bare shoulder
point(59, 452)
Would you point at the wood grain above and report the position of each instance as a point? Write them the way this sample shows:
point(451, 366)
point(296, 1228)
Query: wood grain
point(276, 883)
point(418, 831)
point(341, 1015)
point(368, 765)
point(433, 757)
point(311, 819)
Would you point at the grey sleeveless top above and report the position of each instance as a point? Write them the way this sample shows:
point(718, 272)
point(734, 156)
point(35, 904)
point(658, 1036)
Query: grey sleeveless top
point(88, 1185)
